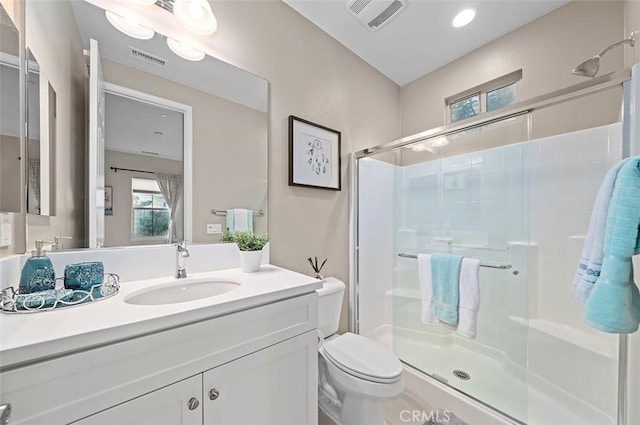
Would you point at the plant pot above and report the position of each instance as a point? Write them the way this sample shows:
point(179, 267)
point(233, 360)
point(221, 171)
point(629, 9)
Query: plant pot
point(250, 261)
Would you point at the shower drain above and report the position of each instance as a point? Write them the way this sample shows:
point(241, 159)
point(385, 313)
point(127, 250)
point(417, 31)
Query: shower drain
point(461, 374)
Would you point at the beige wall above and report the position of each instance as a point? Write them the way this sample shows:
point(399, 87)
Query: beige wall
point(313, 77)
point(546, 49)
point(53, 37)
point(229, 148)
point(118, 226)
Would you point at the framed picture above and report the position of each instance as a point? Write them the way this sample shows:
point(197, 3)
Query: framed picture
point(314, 155)
point(108, 200)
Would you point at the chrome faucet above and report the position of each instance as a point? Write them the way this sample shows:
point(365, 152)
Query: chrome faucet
point(181, 259)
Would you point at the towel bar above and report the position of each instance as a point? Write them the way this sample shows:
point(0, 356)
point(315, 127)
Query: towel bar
point(491, 266)
point(259, 213)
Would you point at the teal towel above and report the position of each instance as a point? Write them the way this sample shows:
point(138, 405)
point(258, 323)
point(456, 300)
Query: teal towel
point(614, 304)
point(231, 221)
point(445, 278)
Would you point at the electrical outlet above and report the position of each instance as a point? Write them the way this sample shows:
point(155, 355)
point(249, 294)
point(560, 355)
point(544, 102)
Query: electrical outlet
point(214, 229)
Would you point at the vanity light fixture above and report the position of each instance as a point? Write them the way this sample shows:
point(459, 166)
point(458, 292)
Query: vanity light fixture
point(144, 2)
point(464, 17)
point(196, 16)
point(184, 50)
point(129, 26)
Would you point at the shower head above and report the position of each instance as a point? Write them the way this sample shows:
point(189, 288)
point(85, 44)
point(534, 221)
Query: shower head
point(590, 67)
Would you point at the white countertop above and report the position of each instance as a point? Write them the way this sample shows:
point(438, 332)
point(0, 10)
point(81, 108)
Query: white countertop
point(25, 338)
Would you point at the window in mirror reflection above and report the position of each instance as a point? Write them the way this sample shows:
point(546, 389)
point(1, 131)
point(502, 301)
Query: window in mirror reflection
point(150, 211)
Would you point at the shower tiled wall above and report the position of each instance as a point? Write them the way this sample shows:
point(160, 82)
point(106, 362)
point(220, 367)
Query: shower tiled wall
point(534, 196)
point(566, 172)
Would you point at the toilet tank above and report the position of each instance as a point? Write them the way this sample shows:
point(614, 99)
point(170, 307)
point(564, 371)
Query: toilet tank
point(330, 305)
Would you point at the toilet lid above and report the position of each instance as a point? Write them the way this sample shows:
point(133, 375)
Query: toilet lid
point(363, 358)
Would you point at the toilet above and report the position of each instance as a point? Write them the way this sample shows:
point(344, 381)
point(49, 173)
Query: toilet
point(355, 374)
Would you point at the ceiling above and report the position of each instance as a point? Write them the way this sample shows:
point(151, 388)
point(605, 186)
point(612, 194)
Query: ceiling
point(420, 38)
point(209, 75)
point(133, 127)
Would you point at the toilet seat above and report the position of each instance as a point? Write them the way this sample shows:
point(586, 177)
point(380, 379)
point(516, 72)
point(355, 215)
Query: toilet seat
point(362, 358)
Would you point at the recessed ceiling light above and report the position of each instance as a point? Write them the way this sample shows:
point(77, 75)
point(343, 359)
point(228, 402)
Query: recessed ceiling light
point(163, 115)
point(184, 50)
point(129, 26)
point(464, 17)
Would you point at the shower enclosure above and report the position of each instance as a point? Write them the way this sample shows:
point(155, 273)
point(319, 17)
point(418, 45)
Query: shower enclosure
point(515, 189)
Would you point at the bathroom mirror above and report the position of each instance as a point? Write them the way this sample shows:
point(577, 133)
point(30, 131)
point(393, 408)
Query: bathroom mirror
point(41, 140)
point(10, 101)
point(205, 120)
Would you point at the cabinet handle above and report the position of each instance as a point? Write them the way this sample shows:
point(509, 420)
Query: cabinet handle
point(214, 394)
point(193, 403)
point(5, 412)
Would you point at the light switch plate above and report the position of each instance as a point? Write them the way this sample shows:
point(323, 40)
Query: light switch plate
point(214, 229)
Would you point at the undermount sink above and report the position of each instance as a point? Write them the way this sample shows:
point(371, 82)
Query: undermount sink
point(181, 291)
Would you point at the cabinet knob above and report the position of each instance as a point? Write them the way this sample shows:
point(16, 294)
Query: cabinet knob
point(214, 394)
point(193, 403)
point(5, 412)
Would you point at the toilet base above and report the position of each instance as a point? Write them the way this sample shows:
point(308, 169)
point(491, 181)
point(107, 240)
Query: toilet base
point(358, 411)
point(344, 407)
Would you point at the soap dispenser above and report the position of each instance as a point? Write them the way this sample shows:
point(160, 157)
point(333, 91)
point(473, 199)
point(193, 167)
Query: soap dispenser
point(38, 273)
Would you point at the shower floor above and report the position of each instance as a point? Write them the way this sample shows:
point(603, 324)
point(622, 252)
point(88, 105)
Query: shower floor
point(522, 397)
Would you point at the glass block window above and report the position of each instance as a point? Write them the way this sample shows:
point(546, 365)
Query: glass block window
point(149, 210)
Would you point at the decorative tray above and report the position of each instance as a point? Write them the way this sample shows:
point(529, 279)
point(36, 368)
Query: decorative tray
point(12, 301)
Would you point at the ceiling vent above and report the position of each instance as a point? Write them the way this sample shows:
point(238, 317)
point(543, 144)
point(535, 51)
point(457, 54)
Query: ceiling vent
point(374, 14)
point(140, 54)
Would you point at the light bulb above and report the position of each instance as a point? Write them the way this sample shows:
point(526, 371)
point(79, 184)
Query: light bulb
point(129, 26)
point(196, 16)
point(196, 11)
point(184, 50)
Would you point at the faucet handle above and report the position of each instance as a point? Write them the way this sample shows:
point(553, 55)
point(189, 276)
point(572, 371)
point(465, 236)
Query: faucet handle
point(181, 245)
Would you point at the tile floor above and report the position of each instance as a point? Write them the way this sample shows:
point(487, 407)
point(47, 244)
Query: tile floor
point(398, 411)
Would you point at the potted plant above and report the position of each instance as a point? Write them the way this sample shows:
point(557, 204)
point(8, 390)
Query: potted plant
point(250, 246)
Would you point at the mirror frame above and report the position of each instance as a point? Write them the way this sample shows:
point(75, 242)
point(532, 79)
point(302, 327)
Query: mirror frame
point(187, 146)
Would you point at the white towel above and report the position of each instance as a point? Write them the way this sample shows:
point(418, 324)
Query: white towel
point(240, 220)
point(426, 289)
point(592, 250)
point(469, 303)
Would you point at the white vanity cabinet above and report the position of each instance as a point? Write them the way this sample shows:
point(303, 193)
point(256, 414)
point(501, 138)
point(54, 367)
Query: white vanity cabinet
point(177, 404)
point(252, 367)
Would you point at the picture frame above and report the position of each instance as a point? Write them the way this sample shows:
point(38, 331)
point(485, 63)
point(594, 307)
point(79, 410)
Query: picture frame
point(314, 155)
point(108, 200)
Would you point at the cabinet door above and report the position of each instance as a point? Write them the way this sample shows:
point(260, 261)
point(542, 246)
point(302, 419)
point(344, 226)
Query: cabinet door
point(274, 386)
point(177, 404)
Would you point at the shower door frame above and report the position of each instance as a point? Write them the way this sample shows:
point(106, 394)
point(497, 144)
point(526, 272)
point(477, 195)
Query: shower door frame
point(630, 131)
